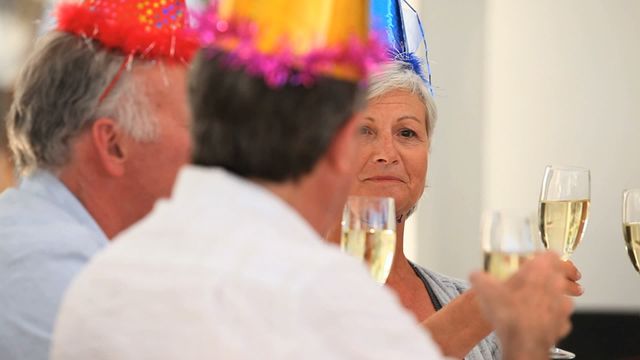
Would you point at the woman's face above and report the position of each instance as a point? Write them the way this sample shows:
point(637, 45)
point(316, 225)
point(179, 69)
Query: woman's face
point(393, 149)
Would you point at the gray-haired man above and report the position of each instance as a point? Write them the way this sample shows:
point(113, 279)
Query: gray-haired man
point(98, 133)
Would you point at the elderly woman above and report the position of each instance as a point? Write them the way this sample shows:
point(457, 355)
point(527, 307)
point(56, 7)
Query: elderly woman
point(395, 132)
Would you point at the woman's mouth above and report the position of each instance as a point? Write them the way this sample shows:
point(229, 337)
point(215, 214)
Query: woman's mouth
point(384, 178)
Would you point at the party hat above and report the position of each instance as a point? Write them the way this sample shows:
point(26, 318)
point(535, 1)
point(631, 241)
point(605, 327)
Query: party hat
point(149, 29)
point(404, 34)
point(287, 41)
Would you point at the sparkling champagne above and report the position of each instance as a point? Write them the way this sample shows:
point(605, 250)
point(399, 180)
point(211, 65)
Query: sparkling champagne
point(502, 265)
point(632, 240)
point(375, 247)
point(562, 224)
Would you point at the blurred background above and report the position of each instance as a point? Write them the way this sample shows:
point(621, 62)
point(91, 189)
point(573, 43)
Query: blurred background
point(18, 25)
point(519, 84)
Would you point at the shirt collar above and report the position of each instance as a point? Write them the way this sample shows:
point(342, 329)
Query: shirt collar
point(200, 187)
point(43, 183)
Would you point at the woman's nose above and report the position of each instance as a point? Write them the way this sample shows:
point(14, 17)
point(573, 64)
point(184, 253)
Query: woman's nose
point(386, 152)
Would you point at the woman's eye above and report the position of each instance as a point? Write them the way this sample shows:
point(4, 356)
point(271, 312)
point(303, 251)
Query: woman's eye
point(407, 133)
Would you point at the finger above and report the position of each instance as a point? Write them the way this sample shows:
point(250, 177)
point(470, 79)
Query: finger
point(573, 288)
point(571, 271)
point(566, 286)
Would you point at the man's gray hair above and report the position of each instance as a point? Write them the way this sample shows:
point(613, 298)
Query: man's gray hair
point(397, 75)
point(57, 97)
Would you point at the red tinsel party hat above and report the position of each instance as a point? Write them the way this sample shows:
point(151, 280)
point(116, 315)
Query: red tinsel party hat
point(148, 29)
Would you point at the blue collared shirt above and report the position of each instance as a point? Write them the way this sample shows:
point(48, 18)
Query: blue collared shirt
point(46, 238)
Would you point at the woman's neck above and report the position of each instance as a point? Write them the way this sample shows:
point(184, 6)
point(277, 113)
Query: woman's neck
point(406, 284)
point(401, 269)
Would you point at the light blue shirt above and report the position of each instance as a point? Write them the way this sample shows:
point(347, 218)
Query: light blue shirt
point(46, 238)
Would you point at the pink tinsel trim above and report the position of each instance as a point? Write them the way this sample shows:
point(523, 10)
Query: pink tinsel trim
point(284, 66)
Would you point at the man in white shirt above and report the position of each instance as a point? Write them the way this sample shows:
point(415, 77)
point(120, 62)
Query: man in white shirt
point(234, 266)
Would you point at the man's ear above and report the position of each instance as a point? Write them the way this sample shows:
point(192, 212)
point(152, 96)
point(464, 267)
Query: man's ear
point(342, 149)
point(109, 143)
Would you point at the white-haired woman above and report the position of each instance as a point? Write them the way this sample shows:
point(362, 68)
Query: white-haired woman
point(395, 132)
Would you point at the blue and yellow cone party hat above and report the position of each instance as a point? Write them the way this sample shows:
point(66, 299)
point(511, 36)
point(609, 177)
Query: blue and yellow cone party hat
point(405, 37)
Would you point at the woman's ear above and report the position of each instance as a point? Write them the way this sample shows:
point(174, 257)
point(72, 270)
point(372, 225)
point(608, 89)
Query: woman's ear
point(109, 143)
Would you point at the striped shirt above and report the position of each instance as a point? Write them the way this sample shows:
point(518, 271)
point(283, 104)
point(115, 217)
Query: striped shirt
point(442, 290)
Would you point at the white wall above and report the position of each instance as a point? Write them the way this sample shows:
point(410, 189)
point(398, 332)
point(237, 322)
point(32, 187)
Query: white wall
point(448, 216)
point(524, 84)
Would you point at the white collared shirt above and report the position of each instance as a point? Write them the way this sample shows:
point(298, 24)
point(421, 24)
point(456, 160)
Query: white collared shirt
point(227, 270)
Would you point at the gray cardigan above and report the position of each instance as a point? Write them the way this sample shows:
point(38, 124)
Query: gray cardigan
point(445, 289)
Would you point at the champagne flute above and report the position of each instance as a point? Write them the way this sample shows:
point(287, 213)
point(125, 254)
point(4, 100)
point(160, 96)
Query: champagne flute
point(564, 208)
point(369, 233)
point(508, 240)
point(631, 225)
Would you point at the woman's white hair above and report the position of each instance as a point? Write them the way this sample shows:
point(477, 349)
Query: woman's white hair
point(397, 75)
